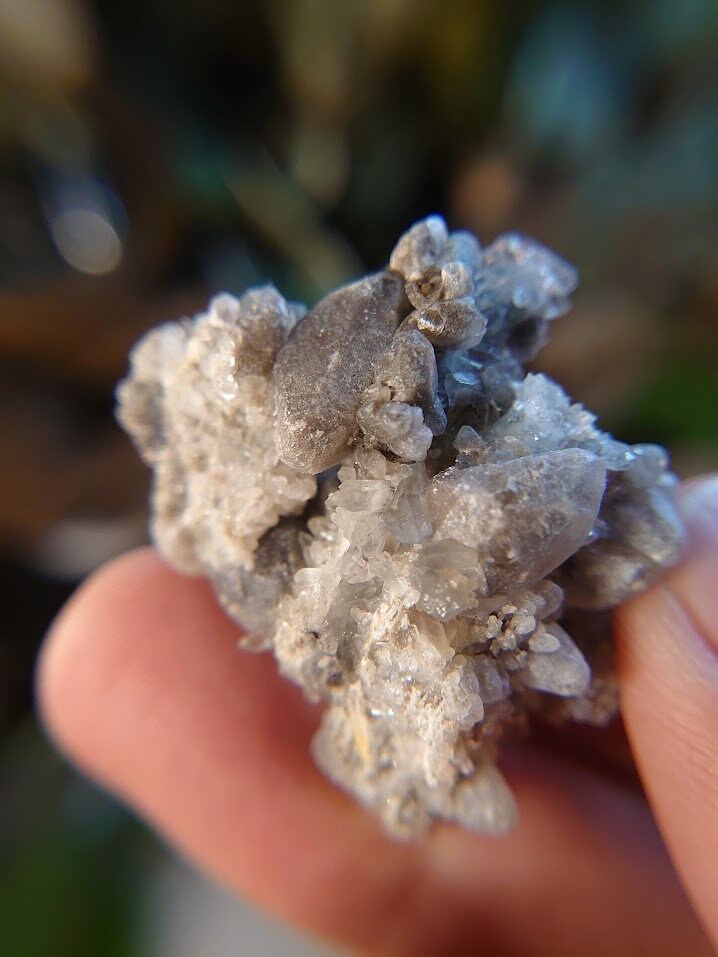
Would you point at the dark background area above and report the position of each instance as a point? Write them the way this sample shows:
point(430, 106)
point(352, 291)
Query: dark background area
point(155, 151)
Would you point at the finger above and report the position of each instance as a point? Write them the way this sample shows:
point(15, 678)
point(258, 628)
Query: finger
point(668, 657)
point(142, 683)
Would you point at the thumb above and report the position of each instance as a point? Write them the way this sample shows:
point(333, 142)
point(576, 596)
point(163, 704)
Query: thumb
point(668, 664)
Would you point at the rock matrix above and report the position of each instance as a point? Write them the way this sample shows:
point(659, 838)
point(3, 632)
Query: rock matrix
point(426, 537)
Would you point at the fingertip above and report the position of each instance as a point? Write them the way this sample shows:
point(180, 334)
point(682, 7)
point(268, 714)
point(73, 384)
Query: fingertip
point(67, 649)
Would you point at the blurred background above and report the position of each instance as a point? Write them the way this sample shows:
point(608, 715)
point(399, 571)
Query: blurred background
point(155, 151)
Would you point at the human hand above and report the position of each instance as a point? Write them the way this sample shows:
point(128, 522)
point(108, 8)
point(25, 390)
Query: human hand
point(141, 684)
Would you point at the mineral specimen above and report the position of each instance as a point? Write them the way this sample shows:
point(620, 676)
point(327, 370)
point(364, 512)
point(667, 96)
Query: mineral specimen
point(381, 495)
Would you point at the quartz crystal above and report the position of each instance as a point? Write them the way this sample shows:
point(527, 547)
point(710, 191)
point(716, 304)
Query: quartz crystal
point(425, 536)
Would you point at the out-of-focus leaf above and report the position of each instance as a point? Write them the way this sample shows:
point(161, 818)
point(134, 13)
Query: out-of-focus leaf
point(72, 860)
point(680, 404)
point(567, 89)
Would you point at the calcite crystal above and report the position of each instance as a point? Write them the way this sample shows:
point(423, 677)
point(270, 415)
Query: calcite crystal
point(427, 537)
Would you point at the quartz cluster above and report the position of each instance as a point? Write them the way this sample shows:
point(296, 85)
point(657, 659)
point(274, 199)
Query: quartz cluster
point(427, 537)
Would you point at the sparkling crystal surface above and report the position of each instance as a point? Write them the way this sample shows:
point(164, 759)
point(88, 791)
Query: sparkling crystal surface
point(381, 495)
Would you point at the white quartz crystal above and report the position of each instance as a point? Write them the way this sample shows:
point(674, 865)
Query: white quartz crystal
point(383, 497)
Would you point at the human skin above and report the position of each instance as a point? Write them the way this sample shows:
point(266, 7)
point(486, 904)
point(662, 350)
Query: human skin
point(140, 683)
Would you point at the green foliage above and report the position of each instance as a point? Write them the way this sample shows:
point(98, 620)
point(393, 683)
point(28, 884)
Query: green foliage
point(72, 873)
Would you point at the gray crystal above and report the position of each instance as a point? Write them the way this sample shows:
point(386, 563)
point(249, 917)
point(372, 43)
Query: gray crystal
point(524, 517)
point(450, 322)
point(420, 248)
point(425, 536)
point(555, 664)
point(325, 366)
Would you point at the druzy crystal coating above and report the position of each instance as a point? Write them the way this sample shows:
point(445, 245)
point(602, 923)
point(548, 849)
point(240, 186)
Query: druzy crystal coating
point(426, 537)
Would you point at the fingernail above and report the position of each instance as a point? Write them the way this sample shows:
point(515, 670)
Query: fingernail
point(695, 581)
point(699, 501)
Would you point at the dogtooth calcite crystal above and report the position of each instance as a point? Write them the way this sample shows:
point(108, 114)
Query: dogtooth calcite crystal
point(426, 537)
